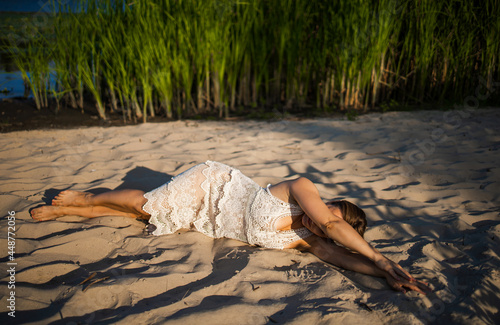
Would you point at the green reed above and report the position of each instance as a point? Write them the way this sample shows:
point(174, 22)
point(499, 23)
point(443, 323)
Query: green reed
point(198, 57)
point(33, 61)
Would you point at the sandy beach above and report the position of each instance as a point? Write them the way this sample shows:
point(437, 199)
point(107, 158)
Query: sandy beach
point(428, 181)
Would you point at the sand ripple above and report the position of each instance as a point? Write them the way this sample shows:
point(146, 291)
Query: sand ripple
point(429, 186)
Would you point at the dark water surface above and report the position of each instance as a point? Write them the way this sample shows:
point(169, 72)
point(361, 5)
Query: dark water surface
point(30, 5)
point(11, 83)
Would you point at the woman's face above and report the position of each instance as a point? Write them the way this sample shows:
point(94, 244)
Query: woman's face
point(309, 224)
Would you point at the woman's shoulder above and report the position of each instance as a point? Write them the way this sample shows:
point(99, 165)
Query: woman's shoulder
point(282, 191)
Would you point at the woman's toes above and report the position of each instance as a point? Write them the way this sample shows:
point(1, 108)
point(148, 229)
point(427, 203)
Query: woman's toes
point(57, 201)
point(45, 213)
point(35, 213)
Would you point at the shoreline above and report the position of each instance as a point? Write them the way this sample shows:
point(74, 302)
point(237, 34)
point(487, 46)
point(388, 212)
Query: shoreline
point(19, 114)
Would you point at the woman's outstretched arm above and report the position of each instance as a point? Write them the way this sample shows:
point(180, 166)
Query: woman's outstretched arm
point(341, 257)
point(307, 196)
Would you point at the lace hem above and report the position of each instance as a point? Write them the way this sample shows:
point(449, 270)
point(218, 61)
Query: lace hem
point(212, 198)
point(175, 204)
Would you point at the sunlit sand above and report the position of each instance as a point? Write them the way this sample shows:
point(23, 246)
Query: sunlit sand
point(427, 180)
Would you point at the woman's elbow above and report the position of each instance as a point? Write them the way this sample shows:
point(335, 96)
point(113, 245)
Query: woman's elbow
point(330, 225)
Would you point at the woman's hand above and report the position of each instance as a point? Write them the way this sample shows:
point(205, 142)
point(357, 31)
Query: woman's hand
point(404, 285)
point(394, 269)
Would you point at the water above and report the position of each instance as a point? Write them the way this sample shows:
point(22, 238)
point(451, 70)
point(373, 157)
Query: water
point(12, 82)
point(30, 5)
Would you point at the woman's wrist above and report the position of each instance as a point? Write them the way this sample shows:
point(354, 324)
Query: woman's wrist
point(377, 256)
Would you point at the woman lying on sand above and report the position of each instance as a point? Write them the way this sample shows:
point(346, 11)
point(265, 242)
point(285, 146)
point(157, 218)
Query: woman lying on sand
point(219, 201)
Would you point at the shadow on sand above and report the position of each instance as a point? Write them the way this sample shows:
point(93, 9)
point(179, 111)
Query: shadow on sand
point(425, 225)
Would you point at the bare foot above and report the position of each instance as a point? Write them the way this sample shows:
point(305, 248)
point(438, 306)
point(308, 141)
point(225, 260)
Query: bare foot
point(47, 212)
point(72, 198)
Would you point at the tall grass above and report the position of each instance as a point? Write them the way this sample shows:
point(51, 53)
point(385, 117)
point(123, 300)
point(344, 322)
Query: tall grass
point(33, 63)
point(195, 57)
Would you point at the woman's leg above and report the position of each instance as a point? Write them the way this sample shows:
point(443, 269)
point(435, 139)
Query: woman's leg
point(129, 201)
point(50, 212)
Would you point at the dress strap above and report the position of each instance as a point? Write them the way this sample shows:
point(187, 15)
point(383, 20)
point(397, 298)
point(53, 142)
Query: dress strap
point(294, 207)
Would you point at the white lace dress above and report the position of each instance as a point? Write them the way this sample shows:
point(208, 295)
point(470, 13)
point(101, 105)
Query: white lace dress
point(219, 201)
